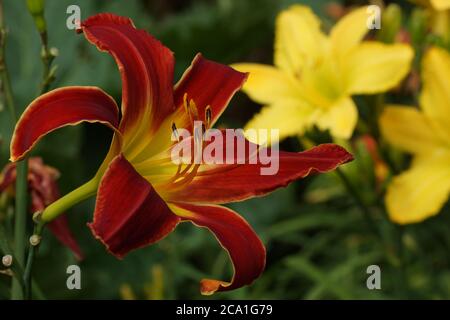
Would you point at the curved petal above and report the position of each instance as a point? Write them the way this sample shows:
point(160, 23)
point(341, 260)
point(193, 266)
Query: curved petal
point(435, 96)
point(208, 83)
point(340, 119)
point(420, 192)
point(375, 67)
point(290, 118)
point(129, 214)
point(349, 31)
point(146, 68)
point(60, 226)
point(440, 4)
point(59, 108)
point(408, 129)
point(268, 85)
point(245, 249)
point(298, 39)
point(7, 176)
point(222, 183)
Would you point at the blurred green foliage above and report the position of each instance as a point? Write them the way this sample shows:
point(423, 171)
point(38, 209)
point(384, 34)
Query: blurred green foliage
point(319, 244)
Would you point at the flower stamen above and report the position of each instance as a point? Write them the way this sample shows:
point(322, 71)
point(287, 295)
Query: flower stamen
point(208, 116)
point(175, 132)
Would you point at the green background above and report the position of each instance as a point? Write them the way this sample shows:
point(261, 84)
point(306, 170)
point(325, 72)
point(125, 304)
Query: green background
point(318, 243)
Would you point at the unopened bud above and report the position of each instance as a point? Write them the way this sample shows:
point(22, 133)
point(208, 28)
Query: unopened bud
point(391, 22)
point(418, 24)
point(37, 216)
point(54, 51)
point(36, 8)
point(35, 240)
point(7, 260)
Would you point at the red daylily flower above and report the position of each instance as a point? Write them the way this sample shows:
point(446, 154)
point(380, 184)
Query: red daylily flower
point(44, 191)
point(141, 194)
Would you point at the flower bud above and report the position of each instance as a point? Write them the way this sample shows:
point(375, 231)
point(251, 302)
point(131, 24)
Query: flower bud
point(391, 21)
point(7, 260)
point(35, 240)
point(418, 26)
point(36, 8)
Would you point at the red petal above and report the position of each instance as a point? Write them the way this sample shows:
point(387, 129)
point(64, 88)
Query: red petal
point(146, 68)
point(129, 214)
point(43, 190)
point(60, 228)
point(223, 183)
point(209, 83)
point(59, 108)
point(246, 250)
point(8, 176)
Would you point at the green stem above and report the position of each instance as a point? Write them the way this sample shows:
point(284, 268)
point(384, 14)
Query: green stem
point(48, 73)
point(22, 167)
point(30, 260)
point(359, 202)
point(37, 11)
point(4, 74)
point(20, 224)
point(5, 249)
point(18, 273)
point(58, 207)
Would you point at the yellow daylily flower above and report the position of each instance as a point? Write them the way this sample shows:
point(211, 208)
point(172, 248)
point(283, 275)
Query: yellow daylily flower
point(315, 74)
point(439, 16)
point(421, 191)
point(437, 5)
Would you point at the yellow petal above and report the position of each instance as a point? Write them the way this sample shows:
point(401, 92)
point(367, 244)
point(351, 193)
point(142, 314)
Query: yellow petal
point(440, 24)
point(349, 31)
point(420, 192)
point(435, 96)
point(408, 129)
point(440, 4)
point(340, 119)
point(289, 118)
point(267, 85)
point(374, 67)
point(298, 39)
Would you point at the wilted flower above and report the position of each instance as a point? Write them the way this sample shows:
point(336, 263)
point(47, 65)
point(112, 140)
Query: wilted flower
point(44, 190)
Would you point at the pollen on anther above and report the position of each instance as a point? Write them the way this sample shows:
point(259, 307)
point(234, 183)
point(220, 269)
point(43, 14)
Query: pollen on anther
point(193, 109)
point(175, 131)
point(185, 102)
point(208, 116)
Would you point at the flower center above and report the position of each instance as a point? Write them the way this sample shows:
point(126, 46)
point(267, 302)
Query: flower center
point(160, 169)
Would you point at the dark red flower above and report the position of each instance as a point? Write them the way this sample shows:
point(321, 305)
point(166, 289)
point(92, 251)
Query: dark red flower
point(44, 190)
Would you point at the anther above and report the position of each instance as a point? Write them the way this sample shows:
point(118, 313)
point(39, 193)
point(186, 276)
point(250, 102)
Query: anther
point(208, 116)
point(198, 136)
point(193, 109)
point(185, 103)
point(175, 131)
